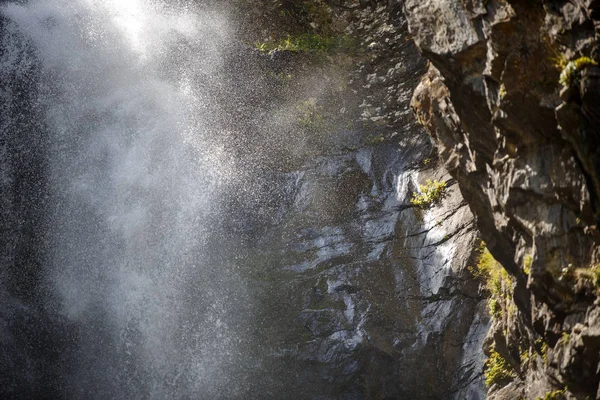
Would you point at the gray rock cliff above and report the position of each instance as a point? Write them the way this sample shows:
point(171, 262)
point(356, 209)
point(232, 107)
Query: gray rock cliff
point(511, 100)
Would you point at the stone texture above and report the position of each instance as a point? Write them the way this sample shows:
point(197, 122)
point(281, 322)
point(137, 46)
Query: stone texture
point(377, 298)
point(527, 164)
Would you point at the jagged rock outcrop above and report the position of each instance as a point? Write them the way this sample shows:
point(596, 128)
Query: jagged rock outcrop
point(526, 159)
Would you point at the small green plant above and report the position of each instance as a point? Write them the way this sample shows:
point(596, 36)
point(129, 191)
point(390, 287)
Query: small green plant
point(571, 73)
point(542, 348)
point(544, 351)
point(495, 308)
point(592, 274)
point(524, 357)
point(307, 43)
point(527, 261)
point(374, 139)
point(554, 395)
point(432, 191)
point(559, 60)
point(497, 369)
point(497, 282)
point(502, 92)
point(512, 307)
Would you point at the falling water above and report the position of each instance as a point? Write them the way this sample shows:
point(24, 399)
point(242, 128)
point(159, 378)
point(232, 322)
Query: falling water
point(118, 99)
point(169, 229)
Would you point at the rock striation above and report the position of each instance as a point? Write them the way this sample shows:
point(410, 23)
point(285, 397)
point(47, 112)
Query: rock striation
point(510, 98)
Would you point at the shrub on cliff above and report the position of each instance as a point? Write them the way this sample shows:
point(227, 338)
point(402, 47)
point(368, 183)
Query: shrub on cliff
point(571, 74)
point(497, 369)
point(432, 191)
point(497, 282)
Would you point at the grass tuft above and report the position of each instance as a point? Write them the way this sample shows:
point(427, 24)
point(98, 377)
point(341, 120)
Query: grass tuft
point(497, 369)
point(571, 73)
point(431, 192)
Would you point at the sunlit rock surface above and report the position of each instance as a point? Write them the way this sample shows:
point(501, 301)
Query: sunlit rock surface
point(523, 148)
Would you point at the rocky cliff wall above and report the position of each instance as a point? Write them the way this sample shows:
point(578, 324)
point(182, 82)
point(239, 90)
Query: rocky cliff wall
point(511, 99)
point(365, 294)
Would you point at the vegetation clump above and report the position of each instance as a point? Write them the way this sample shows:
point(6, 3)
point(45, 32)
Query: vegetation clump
point(544, 351)
point(571, 73)
point(496, 280)
point(497, 369)
point(554, 395)
point(524, 356)
point(502, 92)
point(432, 191)
point(527, 261)
point(495, 308)
point(591, 274)
point(307, 43)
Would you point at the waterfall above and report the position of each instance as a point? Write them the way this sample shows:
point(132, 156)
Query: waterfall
point(121, 119)
point(183, 216)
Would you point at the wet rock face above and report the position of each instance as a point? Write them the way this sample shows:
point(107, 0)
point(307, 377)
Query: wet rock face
point(364, 294)
point(526, 162)
point(379, 297)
